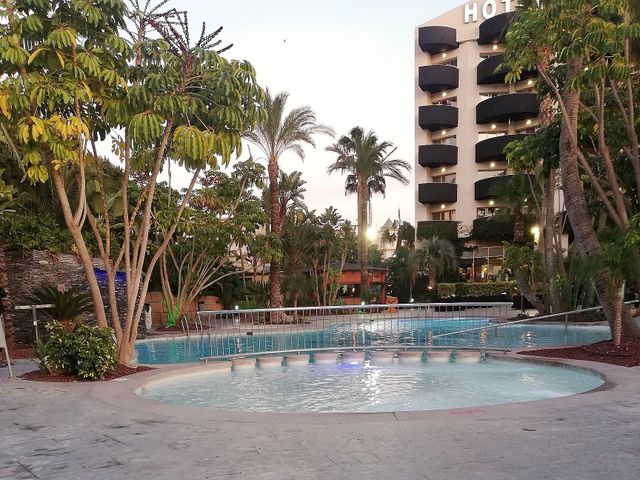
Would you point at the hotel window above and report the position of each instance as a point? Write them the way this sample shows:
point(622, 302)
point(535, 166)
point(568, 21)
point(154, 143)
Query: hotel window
point(446, 141)
point(446, 215)
point(449, 178)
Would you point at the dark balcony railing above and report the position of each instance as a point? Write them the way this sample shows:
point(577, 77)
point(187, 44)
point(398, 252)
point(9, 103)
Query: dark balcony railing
point(492, 149)
point(494, 29)
point(511, 106)
point(438, 78)
point(436, 40)
point(489, 71)
point(437, 193)
point(434, 156)
point(437, 117)
point(489, 188)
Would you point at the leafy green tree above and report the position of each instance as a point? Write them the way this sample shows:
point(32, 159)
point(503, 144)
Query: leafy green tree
point(211, 240)
point(582, 51)
point(276, 134)
point(160, 96)
point(406, 235)
point(367, 163)
point(439, 257)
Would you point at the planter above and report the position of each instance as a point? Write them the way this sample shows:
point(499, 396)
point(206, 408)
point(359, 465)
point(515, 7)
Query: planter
point(243, 363)
point(439, 356)
point(410, 356)
point(379, 357)
point(467, 357)
point(353, 357)
point(325, 358)
point(297, 360)
point(269, 362)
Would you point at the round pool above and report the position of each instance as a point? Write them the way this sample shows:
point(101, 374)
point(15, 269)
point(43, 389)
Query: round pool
point(396, 387)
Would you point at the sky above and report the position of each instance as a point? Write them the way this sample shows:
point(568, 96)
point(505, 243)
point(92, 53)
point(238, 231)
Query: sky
point(352, 61)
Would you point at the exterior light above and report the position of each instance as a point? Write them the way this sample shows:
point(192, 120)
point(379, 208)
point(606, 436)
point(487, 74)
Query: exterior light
point(530, 82)
point(443, 206)
point(236, 307)
point(491, 203)
point(362, 303)
point(444, 132)
point(444, 55)
point(492, 164)
point(493, 126)
point(495, 47)
point(535, 231)
point(586, 69)
point(412, 300)
point(528, 122)
point(444, 94)
point(443, 169)
point(526, 200)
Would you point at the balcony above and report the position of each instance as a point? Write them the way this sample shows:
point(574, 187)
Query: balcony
point(489, 72)
point(434, 156)
point(489, 188)
point(436, 40)
point(438, 78)
point(437, 117)
point(503, 108)
point(494, 29)
point(437, 193)
point(492, 149)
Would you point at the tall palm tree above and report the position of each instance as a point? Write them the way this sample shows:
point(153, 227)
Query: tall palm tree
point(278, 134)
point(415, 261)
point(439, 256)
point(367, 162)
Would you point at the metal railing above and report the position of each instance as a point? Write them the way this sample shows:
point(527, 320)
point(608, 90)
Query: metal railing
point(353, 327)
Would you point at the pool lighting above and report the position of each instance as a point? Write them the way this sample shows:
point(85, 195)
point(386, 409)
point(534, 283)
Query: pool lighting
point(354, 363)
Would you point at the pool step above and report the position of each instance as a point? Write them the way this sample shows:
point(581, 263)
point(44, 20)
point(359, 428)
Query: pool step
point(439, 356)
point(243, 363)
point(298, 359)
point(353, 357)
point(410, 356)
point(468, 356)
point(325, 358)
point(269, 362)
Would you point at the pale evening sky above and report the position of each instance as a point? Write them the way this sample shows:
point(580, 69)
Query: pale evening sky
point(352, 61)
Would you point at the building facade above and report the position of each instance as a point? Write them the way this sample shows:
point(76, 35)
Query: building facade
point(465, 113)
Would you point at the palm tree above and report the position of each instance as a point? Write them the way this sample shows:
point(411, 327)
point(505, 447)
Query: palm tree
point(278, 134)
point(367, 162)
point(439, 256)
point(415, 262)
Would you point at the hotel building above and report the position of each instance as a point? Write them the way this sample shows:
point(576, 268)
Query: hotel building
point(465, 113)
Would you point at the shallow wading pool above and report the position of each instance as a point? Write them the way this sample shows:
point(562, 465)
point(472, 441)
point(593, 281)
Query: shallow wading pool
point(396, 387)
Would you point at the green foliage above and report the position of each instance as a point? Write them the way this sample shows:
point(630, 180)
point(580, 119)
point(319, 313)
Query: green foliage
point(406, 235)
point(442, 229)
point(6, 192)
point(375, 256)
point(68, 305)
point(31, 231)
point(477, 289)
point(89, 352)
point(256, 296)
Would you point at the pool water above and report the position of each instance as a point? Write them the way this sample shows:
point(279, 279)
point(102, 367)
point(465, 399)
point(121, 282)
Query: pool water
point(397, 332)
point(364, 388)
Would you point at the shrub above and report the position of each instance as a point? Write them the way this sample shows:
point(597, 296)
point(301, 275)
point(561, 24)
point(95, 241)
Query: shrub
point(440, 229)
point(68, 305)
point(477, 289)
point(89, 352)
point(30, 231)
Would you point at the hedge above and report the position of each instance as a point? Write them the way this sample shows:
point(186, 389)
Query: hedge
point(477, 289)
point(440, 229)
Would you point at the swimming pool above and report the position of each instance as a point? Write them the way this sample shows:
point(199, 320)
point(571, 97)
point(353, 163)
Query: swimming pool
point(397, 387)
point(442, 332)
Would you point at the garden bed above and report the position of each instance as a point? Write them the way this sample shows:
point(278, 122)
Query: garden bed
point(627, 355)
point(120, 371)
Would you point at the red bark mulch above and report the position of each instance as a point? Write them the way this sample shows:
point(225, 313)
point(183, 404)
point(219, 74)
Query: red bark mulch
point(120, 371)
point(627, 355)
point(21, 352)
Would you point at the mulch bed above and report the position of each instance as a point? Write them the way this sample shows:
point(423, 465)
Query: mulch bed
point(21, 352)
point(120, 371)
point(627, 355)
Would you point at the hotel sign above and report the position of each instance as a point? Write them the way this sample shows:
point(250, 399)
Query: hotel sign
point(488, 9)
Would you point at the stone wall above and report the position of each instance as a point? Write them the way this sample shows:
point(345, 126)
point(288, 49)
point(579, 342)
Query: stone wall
point(21, 272)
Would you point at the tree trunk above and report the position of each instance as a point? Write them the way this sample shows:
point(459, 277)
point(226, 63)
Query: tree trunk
point(528, 293)
point(363, 226)
point(275, 280)
point(576, 203)
point(518, 228)
point(550, 251)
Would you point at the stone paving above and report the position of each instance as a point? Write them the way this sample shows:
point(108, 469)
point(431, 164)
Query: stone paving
point(61, 431)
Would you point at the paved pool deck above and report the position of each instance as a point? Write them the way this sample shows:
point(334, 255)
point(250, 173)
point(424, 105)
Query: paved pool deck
point(89, 431)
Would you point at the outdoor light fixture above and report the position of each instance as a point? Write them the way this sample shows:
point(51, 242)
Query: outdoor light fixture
point(535, 231)
point(528, 122)
point(444, 55)
point(443, 169)
point(491, 203)
point(495, 47)
point(444, 94)
point(236, 307)
point(411, 301)
point(362, 303)
point(443, 206)
point(492, 164)
point(444, 132)
point(493, 126)
point(530, 82)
